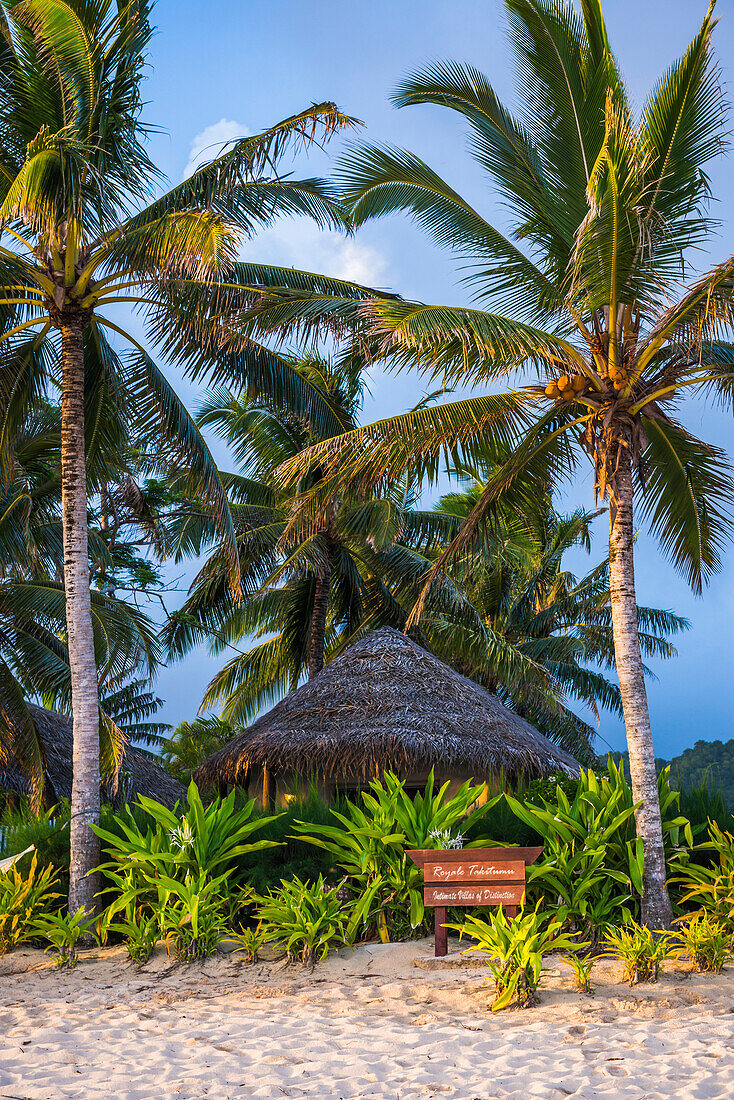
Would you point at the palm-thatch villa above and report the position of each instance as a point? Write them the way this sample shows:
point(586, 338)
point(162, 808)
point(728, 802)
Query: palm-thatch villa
point(385, 704)
point(138, 773)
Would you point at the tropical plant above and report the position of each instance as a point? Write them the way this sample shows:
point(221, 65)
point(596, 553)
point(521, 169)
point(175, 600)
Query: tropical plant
point(79, 238)
point(580, 888)
point(516, 946)
point(250, 941)
point(706, 943)
point(307, 589)
point(592, 864)
point(23, 898)
point(587, 291)
point(370, 841)
point(63, 931)
point(191, 742)
point(710, 885)
point(309, 920)
point(641, 949)
point(141, 935)
point(582, 967)
point(193, 920)
point(203, 843)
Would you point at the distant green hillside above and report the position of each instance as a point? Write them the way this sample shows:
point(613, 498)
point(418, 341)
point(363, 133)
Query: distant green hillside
point(712, 761)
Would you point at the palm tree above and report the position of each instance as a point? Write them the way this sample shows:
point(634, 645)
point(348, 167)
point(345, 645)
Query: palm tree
point(34, 655)
point(74, 185)
point(310, 582)
point(35, 665)
point(528, 629)
point(190, 743)
point(131, 705)
point(588, 290)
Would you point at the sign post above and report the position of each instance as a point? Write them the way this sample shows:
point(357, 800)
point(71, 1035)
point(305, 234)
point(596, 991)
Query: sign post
point(471, 876)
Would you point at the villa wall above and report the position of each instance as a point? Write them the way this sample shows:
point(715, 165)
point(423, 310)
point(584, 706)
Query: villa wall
point(282, 787)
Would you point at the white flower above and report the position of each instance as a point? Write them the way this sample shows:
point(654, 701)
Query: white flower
point(445, 839)
point(183, 837)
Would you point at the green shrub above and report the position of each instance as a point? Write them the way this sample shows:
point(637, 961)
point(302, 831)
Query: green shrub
point(47, 831)
point(141, 936)
point(706, 943)
point(369, 844)
point(639, 948)
point(250, 941)
point(160, 846)
point(592, 864)
point(710, 886)
point(63, 931)
point(193, 918)
point(293, 857)
point(308, 920)
point(517, 946)
point(582, 967)
point(24, 898)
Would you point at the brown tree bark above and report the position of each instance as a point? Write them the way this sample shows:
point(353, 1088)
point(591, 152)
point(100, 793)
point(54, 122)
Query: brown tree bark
point(85, 793)
point(317, 635)
point(657, 912)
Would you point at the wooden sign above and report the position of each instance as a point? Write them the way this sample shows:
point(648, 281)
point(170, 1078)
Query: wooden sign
point(421, 856)
point(472, 876)
point(470, 870)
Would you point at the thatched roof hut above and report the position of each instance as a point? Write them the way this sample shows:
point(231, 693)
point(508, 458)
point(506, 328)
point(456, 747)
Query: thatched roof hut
point(386, 704)
point(138, 774)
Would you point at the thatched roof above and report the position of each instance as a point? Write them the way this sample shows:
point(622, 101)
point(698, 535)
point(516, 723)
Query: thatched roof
point(386, 703)
point(138, 774)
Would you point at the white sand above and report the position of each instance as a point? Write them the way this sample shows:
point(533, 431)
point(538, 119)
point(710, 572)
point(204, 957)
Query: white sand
point(369, 1024)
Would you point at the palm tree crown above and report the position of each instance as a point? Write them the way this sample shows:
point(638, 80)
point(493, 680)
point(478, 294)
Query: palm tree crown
point(311, 581)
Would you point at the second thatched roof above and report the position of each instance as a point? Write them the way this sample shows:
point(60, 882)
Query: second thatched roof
point(138, 773)
point(388, 704)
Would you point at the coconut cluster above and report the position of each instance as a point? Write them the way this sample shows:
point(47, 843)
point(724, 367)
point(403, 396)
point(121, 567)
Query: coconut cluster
point(566, 387)
point(618, 377)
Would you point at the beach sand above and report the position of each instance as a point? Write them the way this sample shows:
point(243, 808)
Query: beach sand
point(370, 1023)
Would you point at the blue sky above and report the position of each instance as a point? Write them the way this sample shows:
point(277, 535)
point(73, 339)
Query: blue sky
point(219, 68)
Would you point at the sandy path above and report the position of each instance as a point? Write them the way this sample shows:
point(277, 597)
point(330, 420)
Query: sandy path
point(367, 1025)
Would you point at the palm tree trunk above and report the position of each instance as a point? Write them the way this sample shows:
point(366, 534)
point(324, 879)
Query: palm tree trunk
point(317, 638)
point(656, 908)
point(85, 795)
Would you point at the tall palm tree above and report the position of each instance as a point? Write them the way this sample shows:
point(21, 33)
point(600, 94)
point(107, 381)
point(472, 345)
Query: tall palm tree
point(81, 234)
point(588, 290)
point(34, 654)
point(310, 581)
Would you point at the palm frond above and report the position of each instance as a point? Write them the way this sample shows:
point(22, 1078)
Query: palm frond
point(686, 499)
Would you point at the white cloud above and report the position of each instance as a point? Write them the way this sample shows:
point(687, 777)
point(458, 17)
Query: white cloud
point(298, 242)
point(209, 143)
